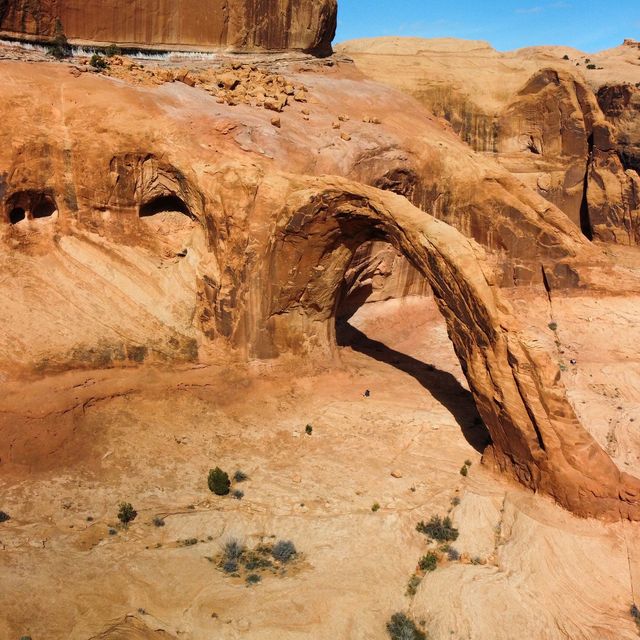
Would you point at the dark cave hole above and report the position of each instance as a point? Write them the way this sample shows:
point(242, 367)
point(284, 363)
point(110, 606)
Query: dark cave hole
point(44, 208)
point(17, 214)
point(164, 204)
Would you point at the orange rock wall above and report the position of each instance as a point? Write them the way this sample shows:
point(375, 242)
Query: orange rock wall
point(307, 25)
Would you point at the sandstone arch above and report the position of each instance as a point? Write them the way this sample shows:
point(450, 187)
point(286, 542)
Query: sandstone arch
point(516, 385)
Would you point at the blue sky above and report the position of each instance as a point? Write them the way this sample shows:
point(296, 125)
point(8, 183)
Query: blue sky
point(589, 25)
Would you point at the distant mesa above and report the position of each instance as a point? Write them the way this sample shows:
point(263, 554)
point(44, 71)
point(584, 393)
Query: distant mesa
point(232, 25)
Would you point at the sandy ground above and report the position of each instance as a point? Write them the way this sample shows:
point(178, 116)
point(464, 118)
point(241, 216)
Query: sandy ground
point(149, 436)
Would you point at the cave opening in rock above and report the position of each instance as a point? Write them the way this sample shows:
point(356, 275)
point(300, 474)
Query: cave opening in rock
point(385, 310)
point(165, 204)
point(17, 214)
point(44, 208)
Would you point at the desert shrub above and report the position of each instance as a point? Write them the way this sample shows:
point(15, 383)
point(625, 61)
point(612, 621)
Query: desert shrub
point(565, 57)
point(4, 516)
point(253, 578)
point(375, 507)
point(591, 66)
point(238, 495)
point(158, 521)
point(439, 529)
point(113, 532)
point(468, 463)
point(112, 50)
point(98, 62)
point(464, 471)
point(428, 562)
point(25, 637)
point(255, 561)
point(635, 613)
point(401, 627)
point(553, 326)
point(455, 501)
point(453, 554)
point(308, 429)
point(412, 585)
point(240, 476)
point(230, 566)
point(189, 542)
point(59, 47)
point(126, 512)
point(219, 482)
point(233, 549)
point(283, 550)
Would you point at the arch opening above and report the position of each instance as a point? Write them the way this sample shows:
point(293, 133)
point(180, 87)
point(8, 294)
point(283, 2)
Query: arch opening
point(16, 215)
point(385, 310)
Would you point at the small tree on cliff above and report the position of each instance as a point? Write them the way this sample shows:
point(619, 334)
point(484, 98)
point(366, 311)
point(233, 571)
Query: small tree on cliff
point(59, 47)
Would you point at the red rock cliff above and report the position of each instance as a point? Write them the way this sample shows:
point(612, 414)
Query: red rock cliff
point(306, 25)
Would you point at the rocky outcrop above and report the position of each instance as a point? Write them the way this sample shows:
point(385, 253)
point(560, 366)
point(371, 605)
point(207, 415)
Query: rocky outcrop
point(171, 235)
point(238, 25)
point(535, 432)
point(538, 116)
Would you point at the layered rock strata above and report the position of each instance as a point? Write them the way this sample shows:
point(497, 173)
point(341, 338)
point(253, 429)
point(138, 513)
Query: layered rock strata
point(240, 25)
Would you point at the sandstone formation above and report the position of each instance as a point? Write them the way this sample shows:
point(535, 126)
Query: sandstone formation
point(535, 110)
point(201, 256)
point(232, 271)
point(247, 25)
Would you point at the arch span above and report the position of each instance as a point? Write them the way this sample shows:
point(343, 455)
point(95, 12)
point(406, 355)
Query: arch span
point(516, 385)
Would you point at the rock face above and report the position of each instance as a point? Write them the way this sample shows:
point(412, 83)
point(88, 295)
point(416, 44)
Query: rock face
point(162, 250)
point(239, 25)
point(537, 113)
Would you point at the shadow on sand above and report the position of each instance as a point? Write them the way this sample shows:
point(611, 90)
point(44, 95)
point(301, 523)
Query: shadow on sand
point(441, 385)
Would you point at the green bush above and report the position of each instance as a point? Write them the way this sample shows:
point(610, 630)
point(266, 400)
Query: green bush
point(98, 62)
point(375, 507)
point(464, 471)
point(591, 67)
point(412, 585)
point(112, 50)
point(219, 482)
point(401, 627)
point(126, 512)
point(308, 429)
point(240, 476)
point(553, 326)
point(439, 529)
point(59, 47)
point(4, 516)
point(428, 562)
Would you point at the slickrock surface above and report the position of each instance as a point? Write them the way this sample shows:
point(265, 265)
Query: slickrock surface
point(240, 25)
point(184, 244)
point(537, 112)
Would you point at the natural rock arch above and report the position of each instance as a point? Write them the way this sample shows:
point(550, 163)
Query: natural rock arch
point(516, 385)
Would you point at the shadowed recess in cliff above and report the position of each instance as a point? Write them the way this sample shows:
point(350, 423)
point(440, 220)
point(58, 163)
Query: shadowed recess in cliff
point(536, 435)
